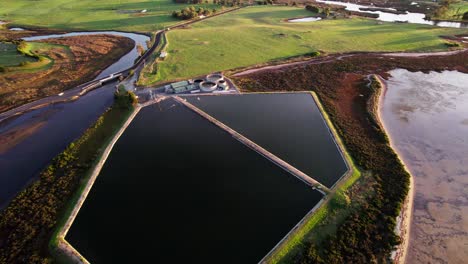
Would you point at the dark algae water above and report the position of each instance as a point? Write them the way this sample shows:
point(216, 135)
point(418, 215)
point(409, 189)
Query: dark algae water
point(288, 125)
point(177, 189)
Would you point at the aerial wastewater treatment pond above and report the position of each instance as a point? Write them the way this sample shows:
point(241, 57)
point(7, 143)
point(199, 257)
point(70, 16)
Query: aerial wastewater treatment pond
point(289, 125)
point(177, 188)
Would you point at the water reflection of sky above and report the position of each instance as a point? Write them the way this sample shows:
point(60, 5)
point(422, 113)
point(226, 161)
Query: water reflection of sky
point(416, 18)
point(426, 117)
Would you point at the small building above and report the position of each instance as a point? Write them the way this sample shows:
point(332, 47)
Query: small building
point(180, 87)
point(163, 54)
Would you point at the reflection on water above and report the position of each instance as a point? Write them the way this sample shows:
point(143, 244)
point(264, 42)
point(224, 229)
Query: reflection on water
point(305, 19)
point(426, 116)
point(416, 18)
point(62, 123)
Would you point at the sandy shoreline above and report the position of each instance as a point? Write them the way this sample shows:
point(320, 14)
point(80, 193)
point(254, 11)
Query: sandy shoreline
point(405, 217)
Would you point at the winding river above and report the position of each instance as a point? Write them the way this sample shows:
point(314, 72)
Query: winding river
point(415, 18)
point(51, 128)
point(123, 63)
point(426, 116)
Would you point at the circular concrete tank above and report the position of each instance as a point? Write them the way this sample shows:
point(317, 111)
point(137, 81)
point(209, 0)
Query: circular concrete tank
point(222, 85)
point(208, 86)
point(214, 77)
point(197, 82)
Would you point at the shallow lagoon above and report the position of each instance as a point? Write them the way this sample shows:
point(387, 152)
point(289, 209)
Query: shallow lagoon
point(426, 116)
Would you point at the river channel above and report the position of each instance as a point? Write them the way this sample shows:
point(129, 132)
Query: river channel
point(55, 126)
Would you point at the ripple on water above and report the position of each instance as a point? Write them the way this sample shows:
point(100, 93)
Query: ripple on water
point(426, 118)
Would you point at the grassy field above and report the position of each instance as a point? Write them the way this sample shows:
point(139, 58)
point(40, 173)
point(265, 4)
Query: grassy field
point(259, 34)
point(9, 55)
point(122, 15)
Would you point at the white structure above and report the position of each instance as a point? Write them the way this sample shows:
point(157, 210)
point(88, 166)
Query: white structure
point(208, 86)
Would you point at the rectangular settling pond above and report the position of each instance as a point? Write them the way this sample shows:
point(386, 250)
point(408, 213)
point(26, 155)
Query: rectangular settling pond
point(289, 125)
point(177, 189)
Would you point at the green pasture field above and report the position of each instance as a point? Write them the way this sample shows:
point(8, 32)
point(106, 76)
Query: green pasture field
point(261, 34)
point(123, 15)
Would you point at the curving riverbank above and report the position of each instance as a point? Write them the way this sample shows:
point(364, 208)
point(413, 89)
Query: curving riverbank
point(57, 129)
point(63, 63)
point(405, 217)
point(425, 115)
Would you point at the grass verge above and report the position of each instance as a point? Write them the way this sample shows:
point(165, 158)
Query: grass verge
point(150, 73)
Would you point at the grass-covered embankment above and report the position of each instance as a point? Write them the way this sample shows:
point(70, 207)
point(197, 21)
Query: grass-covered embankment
point(366, 233)
point(150, 73)
point(260, 34)
point(27, 224)
point(123, 15)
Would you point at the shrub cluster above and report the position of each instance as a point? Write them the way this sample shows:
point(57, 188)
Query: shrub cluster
point(124, 99)
point(191, 13)
point(452, 44)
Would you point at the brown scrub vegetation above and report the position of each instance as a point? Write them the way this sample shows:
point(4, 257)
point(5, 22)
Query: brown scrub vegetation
point(74, 60)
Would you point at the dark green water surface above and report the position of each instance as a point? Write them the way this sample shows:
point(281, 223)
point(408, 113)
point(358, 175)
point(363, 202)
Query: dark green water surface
point(177, 189)
point(288, 125)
